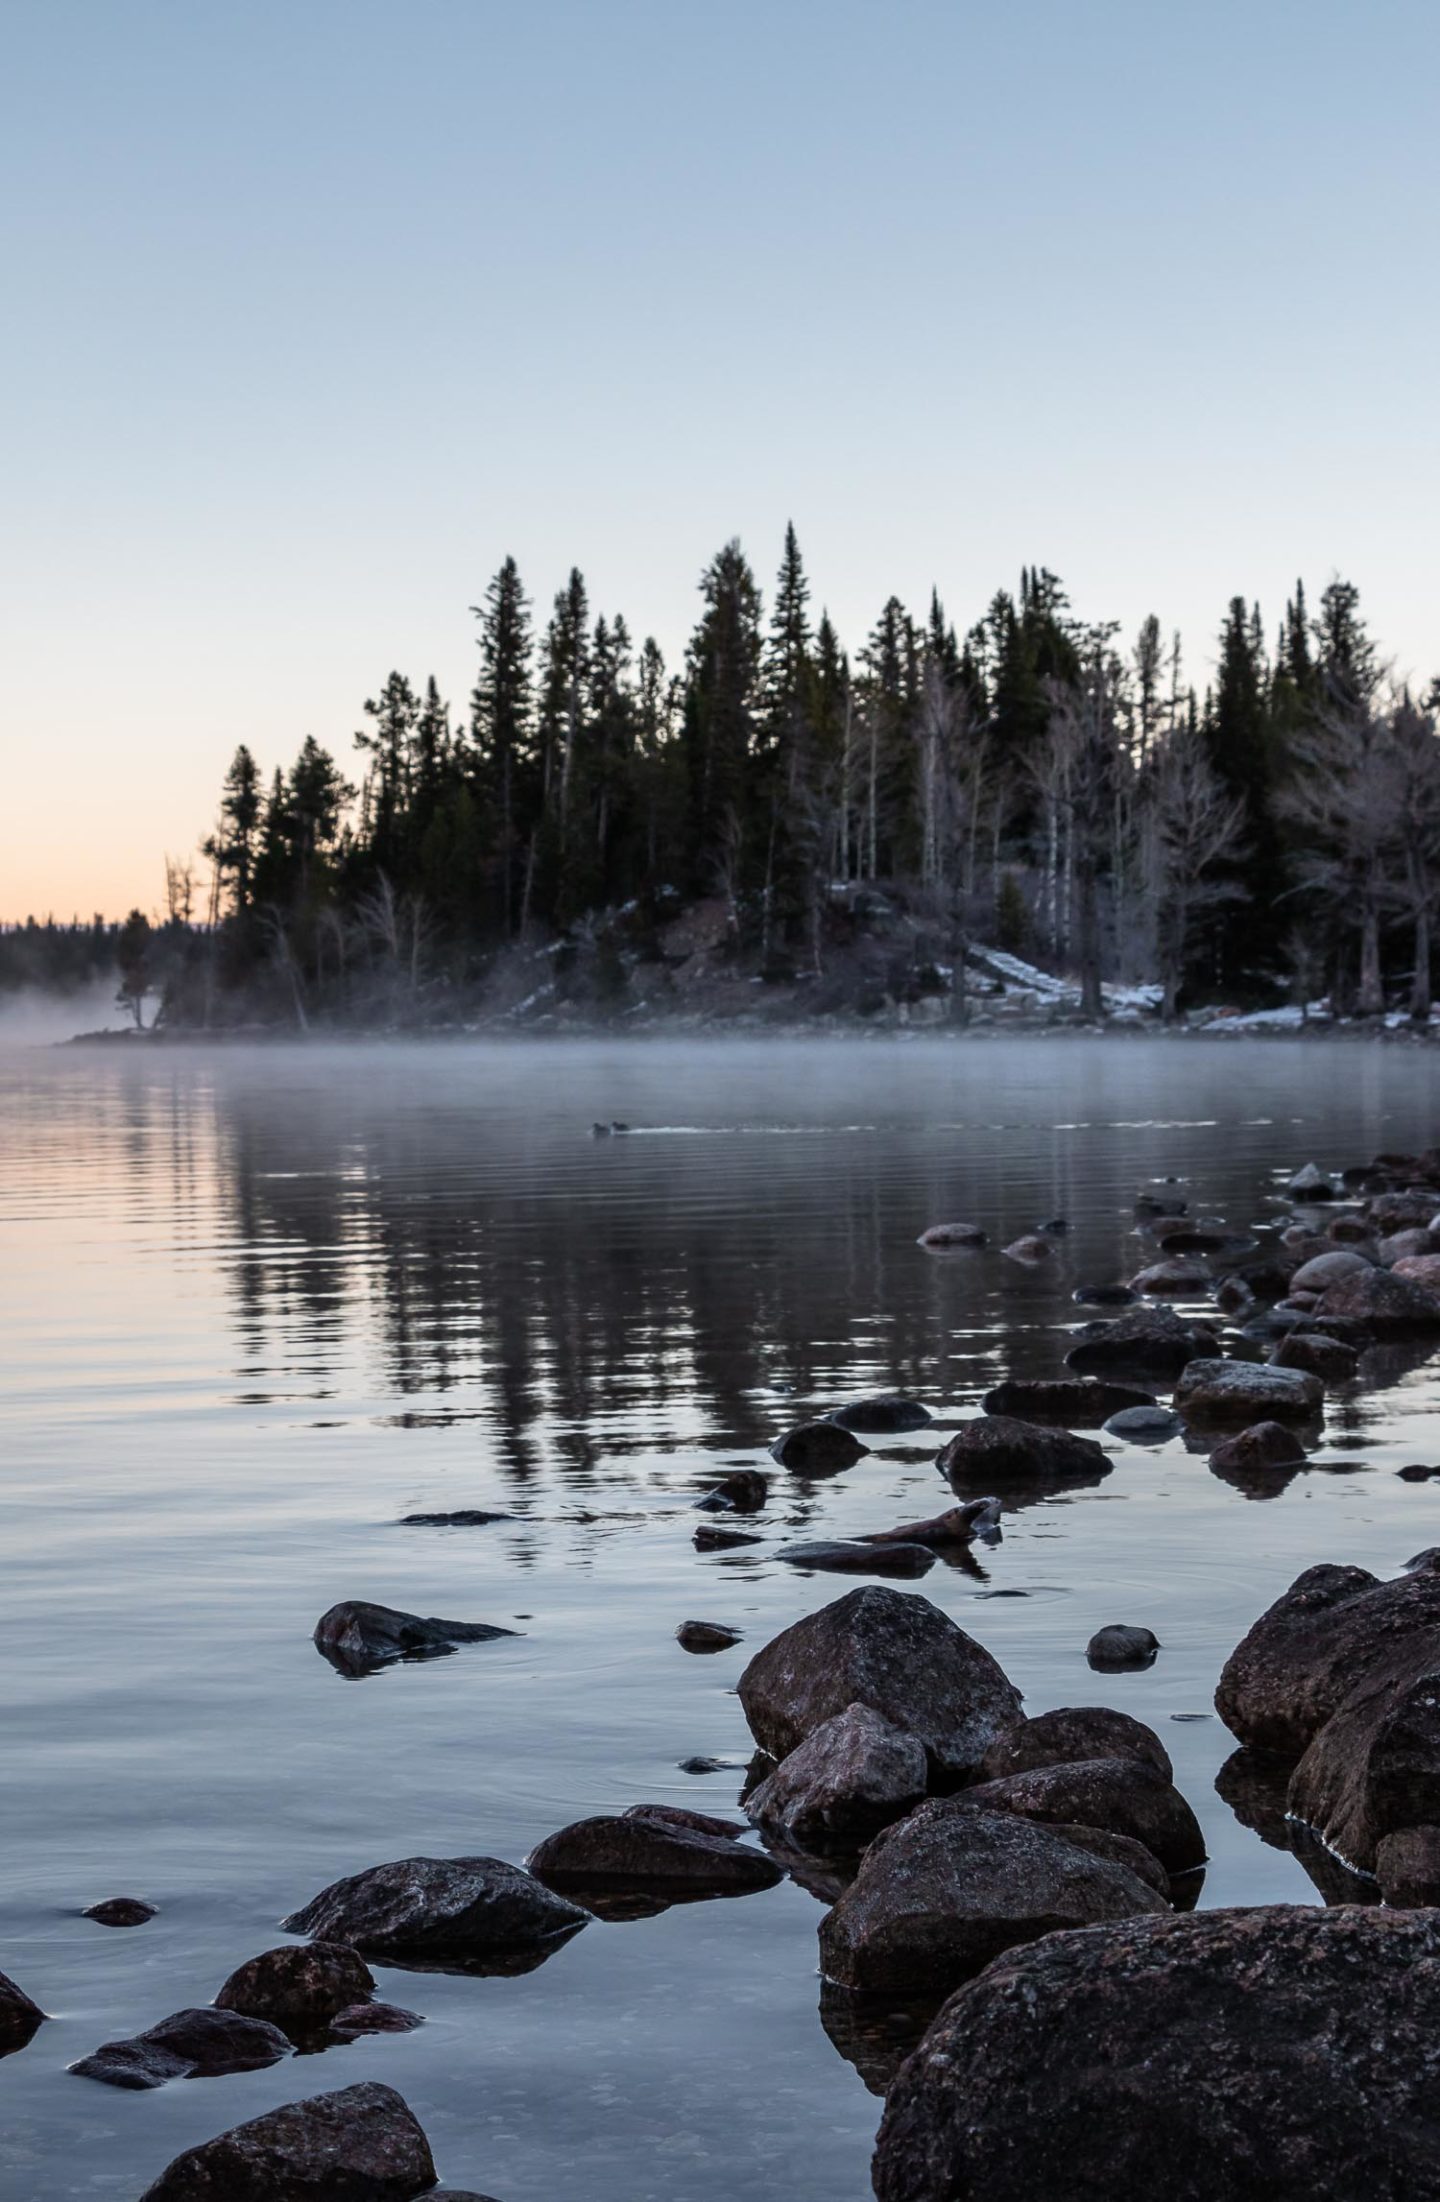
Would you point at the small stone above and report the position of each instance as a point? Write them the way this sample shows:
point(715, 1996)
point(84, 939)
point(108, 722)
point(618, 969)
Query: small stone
point(957, 1525)
point(952, 1234)
point(1145, 1425)
point(1030, 1251)
point(470, 1914)
point(1328, 1358)
point(120, 1911)
point(706, 1636)
point(300, 1983)
point(609, 1851)
point(1120, 1645)
point(817, 1448)
point(1077, 1402)
point(701, 1765)
point(882, 1416)
point(373, 2018)
point(743, 1491)
point(1310, 1184)
point(851, 1775)
point(357, 1638)
point(196, 2044)
point(994, 1450)
point(709, 1538)
point(1103, 1295)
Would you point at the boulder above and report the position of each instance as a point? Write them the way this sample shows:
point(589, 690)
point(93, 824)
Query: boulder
point(1323, 1270)
point(952, 1234)
point(301, 1984)
point(1071, 1734)
point(1407, 1866)
point(461, 1914)
point(957, 1525)
point(1126, 1795)
point(357, 1638)
point(882, 1417)
point(1374, 1768)
point(1152, 1342)
point(743, 1491)
point(860, 1557)
point(19, 2017)
point(706, 1636)
point(1421, 1269)
point(1078, 1402)
point(1275, 2054)
point(1247, 1391)
point(361, 2144)
point(1382, 1302)
point(850, 1776)
point(896, 1653)
point(945, 1891)
point(1413, 1208)
point(197, 2044)
point(120, 1911)
point(1263, 1445)
point(1332, 1631)
point(1328, 1358)
point(1404, 1245)
point(661, 1858)
point(1120, 1645)
point(999, 1449)
point(818, 1448)
point(685, 1816)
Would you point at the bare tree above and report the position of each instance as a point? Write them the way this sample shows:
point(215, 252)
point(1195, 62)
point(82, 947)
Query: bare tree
point(1410, 774)
point(1340, 803)
point(1190, 827)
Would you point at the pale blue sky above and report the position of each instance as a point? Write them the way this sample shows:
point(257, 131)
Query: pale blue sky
point(314, 311)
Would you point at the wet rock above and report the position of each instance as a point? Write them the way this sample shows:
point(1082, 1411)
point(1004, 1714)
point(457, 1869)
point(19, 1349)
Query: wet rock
point(1257, 1452)
point(699, 1764)
point(685, 1816)
point(743, 1491)
point(1119, 1645)
point(1071, 1734)
point(455, 1914)
point(1407, 1866)
point(1183, 1238)
point(1276, 2054)
point(610, 1852)
point(1126, 1795)
point(1150, 1340)
point(995, 1450)
point(952, 1234)
point(850, 1776)
point(1417, 1471)
point(1332, 1631)
point(1382, 1302)
point(1348, 1231)
point(198, 2045)
point(1182, 1278)
point(358, 2019)
point(357, 1638)
point(1265, 1278)
point(706, 1636)
point(1374, 1768)
point(875, 2036)
point(120, 1911)
point(860, 1557)
point(465, 1517)
point(1247, 1391)
point(1145, 1425)
point(1323, 1270)
point(896, 1653)
point(1421, 1269)
point(361, 2144)
point(818, 1448)
point(945, 1891)
point(710, 1538)
point(301, 1984)
point(1404, 1245)
point(957, 1525)
point(1160, 1204)
point(1030, 1251)
point(1310, 1183)
point(1430, 1557)
point(1402, 1211)
point(19, 2017)
point(1077, 1402)
point(1103, 1295)
point(879, 1417)
point(1328, 1358)
point(1233, 1296)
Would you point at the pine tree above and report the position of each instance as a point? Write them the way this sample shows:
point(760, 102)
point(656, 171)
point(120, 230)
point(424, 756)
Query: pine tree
point(233, 847)
point(722, 671)
point(500, 720)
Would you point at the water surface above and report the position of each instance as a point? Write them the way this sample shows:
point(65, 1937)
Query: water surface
point(257, 1305)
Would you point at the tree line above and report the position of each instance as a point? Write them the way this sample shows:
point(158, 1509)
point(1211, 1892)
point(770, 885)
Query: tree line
point(1035, 783)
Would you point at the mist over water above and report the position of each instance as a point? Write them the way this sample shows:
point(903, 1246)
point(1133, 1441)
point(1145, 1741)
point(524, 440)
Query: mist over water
point(31, 1017)
point(255, 1305)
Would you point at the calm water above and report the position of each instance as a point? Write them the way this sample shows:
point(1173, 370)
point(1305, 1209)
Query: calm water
point(256, 1307)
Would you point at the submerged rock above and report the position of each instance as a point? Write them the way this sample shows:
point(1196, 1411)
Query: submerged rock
point(706, 1636)
point(957, 1525)
point(665, 1858)
point(1333, 1630)
point(850, 1776)
point(999, 1449)
point(465, 1517)
point(1181, 1277)
point(1078, 1402)
point(1120, 1645)
point(818, 1448)
point(943, 1893)
point(19, 2017)
point(952, 1234)
point(1276, 2054)
point(300, 1984)
point(878, 1417)
point(1071, 1734)
point(709, 1537)
point(457, 1914)
point(1103, 1295)
point(881, 1556)
point(197, 2044)
point(1245, 1391)
point(356, 1638)
point(1128, 1796)
point(120, 1911)
point(896, 1653)
point(743, 1491)
point(1031, 1251)
point(361, 2144)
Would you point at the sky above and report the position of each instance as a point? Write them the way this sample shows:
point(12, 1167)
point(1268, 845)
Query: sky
point(314, 310)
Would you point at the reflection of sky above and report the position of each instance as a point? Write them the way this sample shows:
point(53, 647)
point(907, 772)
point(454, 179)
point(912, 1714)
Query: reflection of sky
point(313, 314)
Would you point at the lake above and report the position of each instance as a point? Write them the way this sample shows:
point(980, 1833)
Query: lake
point(258, 1304)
